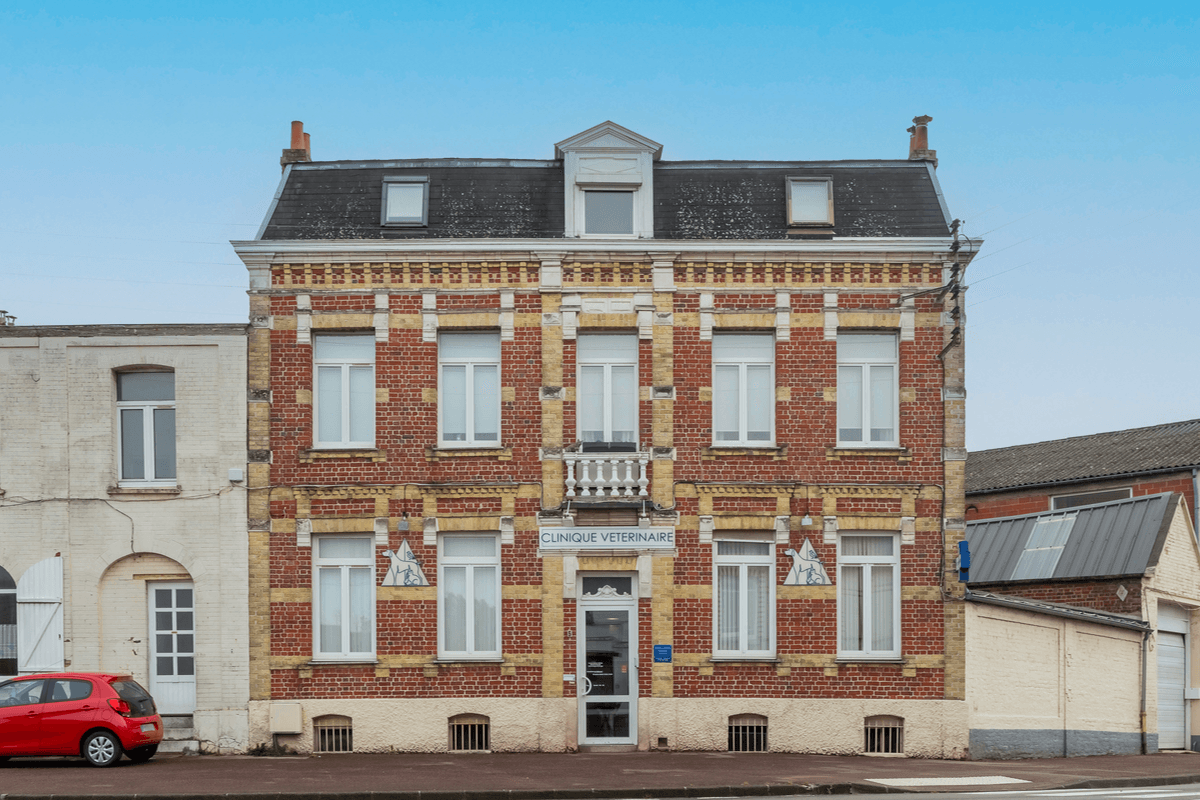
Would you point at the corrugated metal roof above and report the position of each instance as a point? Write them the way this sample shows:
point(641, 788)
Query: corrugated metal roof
point(1124, 537)
point(1099, 455)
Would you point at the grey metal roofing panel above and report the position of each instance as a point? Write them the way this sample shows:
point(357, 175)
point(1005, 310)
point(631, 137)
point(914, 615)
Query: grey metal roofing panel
point(150, 329)
point(1156, 448)
point(1057, 610)
point(478, 198)
point(1123, 537)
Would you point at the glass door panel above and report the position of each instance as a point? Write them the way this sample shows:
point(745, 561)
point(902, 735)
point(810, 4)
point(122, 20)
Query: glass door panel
point(609, 682)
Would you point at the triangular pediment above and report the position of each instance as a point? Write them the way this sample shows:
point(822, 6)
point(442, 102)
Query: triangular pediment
point(608, 137)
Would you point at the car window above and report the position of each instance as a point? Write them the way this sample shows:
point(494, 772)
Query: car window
point(67, 689)
point(21, 693)
point(140, 702)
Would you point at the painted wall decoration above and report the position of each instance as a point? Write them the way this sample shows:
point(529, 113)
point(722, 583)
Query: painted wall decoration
point(405, 570)
point(807, 569)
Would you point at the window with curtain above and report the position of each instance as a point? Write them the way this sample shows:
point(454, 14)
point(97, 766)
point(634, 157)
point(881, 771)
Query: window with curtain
point(607, 390)
point(745, 597)
point(469, 390)
point(344, 372)
point(146, 413)
point(743, 394)
point(867, 390)
point(868, 596)
point(344, 597)
point(469, 596)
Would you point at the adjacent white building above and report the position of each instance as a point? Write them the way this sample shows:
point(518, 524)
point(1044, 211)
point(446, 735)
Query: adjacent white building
point(123, 514)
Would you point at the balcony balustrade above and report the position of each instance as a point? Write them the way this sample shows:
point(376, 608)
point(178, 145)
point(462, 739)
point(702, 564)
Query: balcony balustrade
point(607, 474)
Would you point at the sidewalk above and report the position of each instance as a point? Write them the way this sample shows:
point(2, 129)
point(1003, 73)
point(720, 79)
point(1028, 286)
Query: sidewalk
point(548, 776)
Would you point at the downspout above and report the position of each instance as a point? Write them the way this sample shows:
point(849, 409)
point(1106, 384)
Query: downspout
point(1145, 640)
point(1196, 501)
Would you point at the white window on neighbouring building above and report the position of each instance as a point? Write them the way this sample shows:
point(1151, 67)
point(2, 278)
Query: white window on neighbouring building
point(810, 201)
point(607, 391)
point(867, 391)
point(868, 596)
point(344, 598)
point(469, 596)
point(745, 597)
point(469, 393)
point(345, 392)
point(743, 392)
point(405, 200)
point(146, 408)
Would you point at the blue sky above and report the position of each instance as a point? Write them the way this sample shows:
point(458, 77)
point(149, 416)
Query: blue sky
point(138, 140)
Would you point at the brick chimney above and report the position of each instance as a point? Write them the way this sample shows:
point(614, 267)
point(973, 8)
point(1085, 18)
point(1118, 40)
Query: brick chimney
point(918, 141)
point(301, 149)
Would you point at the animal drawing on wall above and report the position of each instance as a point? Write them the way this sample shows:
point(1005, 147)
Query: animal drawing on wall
point(404, 570)
point(807, 569)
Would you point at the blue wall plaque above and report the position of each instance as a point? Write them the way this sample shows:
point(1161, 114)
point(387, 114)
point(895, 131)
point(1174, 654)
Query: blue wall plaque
point(662, 654)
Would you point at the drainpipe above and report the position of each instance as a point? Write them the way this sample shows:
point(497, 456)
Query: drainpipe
point(1145, 640)
point(1196, 500)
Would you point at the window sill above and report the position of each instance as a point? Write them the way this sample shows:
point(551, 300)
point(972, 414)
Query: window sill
point(499, 452)
point(313, 454)
point(349, 662)
point(147, 489)
point(744, 659)
point(898, 660)
point(727, 451)
point(448, 661)
point(843, 451)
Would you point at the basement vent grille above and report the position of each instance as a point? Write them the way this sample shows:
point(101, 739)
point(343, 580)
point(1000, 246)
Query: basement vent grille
point(748, 733)
point(470, 733)
point(884, 735)
point(333, 734)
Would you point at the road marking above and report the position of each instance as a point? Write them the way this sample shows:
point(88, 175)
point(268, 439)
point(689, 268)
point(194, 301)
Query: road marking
point(969, 780)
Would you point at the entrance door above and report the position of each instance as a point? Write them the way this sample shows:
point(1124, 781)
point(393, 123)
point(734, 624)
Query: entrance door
point(173, 647)
point(608, 684)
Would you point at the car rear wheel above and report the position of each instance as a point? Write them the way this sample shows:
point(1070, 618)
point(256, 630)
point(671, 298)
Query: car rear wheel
point(102, 749)
point(139, 755)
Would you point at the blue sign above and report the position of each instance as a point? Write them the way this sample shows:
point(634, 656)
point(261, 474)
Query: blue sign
point(662, 654)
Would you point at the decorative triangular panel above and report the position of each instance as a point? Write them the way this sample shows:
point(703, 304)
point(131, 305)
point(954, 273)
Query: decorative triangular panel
point(405, 570)
point(807, 569)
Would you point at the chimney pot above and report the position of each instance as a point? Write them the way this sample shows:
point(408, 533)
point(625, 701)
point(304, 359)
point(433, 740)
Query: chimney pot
point(300, 150)
point(918, 141)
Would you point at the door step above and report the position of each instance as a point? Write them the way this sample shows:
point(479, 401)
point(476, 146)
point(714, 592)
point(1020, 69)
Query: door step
point(608, 748)
point(178, 735)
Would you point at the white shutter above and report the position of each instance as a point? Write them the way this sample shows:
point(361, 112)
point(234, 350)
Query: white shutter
point(40, 618)
point(1172, 658)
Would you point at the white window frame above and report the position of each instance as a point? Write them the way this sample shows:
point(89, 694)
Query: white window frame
point(606, 363)
point(470, 563)
point(345, 564)
point(743, 363)
point(792, 212)
point(417, 221)
point(147, 407)
point(865, 365)
point(868, 564)
point(470, 364)
point(743, 562)
point(345, 442)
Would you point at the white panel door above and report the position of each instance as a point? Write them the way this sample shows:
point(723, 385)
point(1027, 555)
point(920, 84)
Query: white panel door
point(173, 647)
point(1172, 733)
point(40, 618)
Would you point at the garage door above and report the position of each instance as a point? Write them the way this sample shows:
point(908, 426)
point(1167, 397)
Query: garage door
point(1171, 718)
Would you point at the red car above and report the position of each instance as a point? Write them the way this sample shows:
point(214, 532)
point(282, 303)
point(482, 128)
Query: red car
point(94, 715)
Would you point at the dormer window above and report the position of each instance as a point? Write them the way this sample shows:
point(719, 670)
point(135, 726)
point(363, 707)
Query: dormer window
point(608, 176)
point(405, 200)
point(608, 212)
point(810, 201)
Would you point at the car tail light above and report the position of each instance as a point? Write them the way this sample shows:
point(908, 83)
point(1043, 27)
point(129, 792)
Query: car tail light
point(120, 706)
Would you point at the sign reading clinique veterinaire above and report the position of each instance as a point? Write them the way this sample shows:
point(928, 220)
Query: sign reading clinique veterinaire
point(606, 538)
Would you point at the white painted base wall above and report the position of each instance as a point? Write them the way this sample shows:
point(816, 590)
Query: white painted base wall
point(932, 729)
